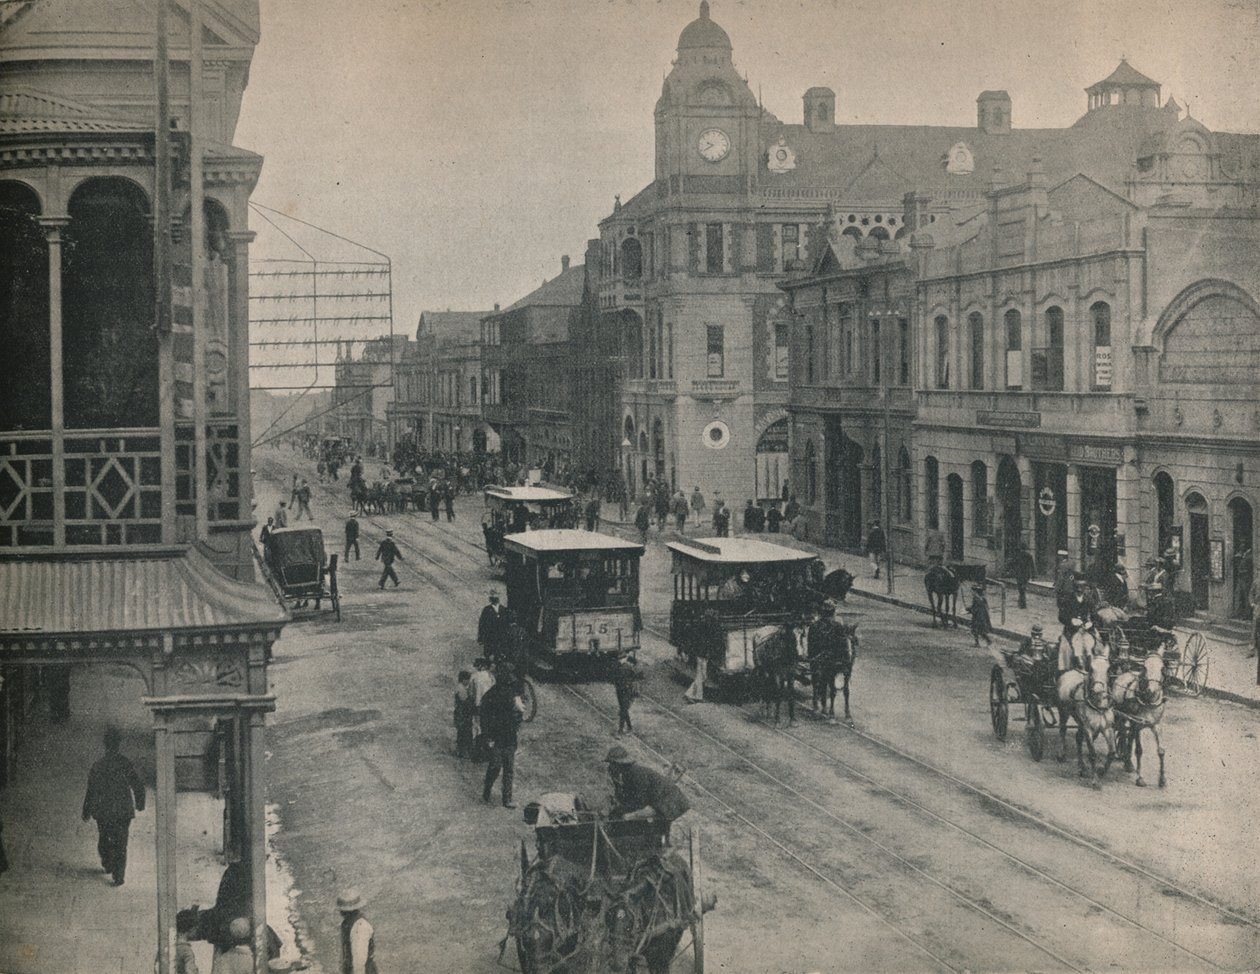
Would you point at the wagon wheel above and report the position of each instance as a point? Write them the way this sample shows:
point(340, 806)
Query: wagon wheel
point(1195, 661)
point(999, 709)
point(697, 893)
point(530, 698)
point(1032, 730)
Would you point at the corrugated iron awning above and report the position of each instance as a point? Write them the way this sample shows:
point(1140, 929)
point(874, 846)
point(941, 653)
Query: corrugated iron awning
point(77, 593)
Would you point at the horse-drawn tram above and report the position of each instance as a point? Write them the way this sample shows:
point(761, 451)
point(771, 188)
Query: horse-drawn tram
point(575, 595)
point(607, 895)
point(512, 510)
point(751, 589)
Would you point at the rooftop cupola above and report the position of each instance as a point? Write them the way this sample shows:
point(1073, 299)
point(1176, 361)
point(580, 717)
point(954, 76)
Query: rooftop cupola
point(704, 41)
point(993, 113)
point(1124, 87)
point(820, 110)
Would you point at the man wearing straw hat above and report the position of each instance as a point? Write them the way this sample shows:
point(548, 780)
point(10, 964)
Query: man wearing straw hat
point(358, 939)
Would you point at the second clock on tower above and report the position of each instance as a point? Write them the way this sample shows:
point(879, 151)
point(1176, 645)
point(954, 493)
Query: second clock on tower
point(713, 145)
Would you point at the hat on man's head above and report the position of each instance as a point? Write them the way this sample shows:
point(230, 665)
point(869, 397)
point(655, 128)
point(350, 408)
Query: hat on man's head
point(351, 899)
point(240, 930)
point(1037, 630)
point(492, 595)
point(618, 755)
point(1062, 552)
point(1078, 577)
point(389, 534)
point(978, 588)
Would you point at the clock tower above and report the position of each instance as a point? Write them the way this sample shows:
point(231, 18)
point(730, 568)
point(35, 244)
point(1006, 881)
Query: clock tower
point(706, 118)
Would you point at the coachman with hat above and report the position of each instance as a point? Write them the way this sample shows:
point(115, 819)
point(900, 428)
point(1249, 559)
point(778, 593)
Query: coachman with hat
point(492, 627)
point(642, 793)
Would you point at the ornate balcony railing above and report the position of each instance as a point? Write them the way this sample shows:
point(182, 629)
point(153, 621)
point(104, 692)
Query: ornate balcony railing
point(26, 490)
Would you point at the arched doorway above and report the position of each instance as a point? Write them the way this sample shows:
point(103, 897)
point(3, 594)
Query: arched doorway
point(479, 441)
point(24, 311)
point(850, 477)
point(1242, 529)
point(1165, 504)
point(954, 516)
point(1010, 516)
point(772, 461)
point(1200, 553)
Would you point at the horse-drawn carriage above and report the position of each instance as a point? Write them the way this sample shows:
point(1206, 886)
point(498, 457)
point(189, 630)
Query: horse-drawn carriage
point(754, 590)
point(1141, 635)
point(575, 595)
point(300, 570)
point(607, 895)
point(512, 510)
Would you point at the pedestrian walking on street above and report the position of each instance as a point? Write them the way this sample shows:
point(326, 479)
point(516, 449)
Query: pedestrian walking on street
point(625, 677)
point(352, 537)
point(1024, 568)
point(706, 641)
point(481, 682)
point(464, 715)
point(358, 939)
point(448, 500)
point(697, 505)
point(304, 502)
point(502, 711)
point(981, 625)
point(492, 627)
point(592, 513)
point(112, 783)
point(386, 554)
point(642, 521)
point(435, 499)
point(721, 518)
point(680, 512)
point(281, 516)
point(774, 518)
point(876, 545)
point(239, 958)
point(662, 507)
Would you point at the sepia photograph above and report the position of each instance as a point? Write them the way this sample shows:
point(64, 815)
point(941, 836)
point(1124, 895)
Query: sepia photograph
point(613, 486)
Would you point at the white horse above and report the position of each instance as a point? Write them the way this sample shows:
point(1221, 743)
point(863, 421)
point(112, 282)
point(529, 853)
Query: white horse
point(1087, 697)
point(1138, 697)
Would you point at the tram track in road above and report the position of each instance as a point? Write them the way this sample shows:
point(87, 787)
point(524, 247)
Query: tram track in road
point(456, 547)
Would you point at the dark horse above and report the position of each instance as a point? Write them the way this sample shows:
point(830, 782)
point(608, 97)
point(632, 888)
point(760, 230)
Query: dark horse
point(833, 649)
point(942, 594)
point(774, 667)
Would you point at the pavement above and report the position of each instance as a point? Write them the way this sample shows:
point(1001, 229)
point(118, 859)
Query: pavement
point(59, 913)
point(1232, 674)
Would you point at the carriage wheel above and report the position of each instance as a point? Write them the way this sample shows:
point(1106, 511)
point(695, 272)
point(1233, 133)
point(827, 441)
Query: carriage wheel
point(1195, 661)
point(999, 709)
point(1032, 730)
point(530, 699)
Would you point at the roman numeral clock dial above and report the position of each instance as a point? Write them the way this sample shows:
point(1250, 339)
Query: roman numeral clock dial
point(713, 145)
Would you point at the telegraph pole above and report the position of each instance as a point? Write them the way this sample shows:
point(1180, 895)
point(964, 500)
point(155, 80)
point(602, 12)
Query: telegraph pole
point(885, 339)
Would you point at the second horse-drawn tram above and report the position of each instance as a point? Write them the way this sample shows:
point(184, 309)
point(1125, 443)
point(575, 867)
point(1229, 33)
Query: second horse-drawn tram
point(512, 510)
point(575, 594)
point(750, 588)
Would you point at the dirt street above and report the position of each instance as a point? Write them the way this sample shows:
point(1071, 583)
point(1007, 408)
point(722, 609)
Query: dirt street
point(911, 841)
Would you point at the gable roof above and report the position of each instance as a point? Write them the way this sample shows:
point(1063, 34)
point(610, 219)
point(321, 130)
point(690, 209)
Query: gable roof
point(564, 291)
point(451, 327)
point(1125, 74)
point(26, 110)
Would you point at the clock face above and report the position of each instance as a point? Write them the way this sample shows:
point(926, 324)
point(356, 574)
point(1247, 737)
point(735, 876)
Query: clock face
point(713, 145)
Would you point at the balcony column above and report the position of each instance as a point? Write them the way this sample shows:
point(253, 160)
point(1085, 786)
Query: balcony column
point(1073, 499)
point(53, 226)
point(1128, 510)
point(238, 350)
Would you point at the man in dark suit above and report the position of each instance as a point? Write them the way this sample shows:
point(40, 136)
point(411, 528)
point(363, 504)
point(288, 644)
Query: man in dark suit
point(492, 627)
point(642, 793)
point(502, 711)
point(111, 784)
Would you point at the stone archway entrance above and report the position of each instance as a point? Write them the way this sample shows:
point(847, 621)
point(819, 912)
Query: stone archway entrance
point(1200, 553)
point(772, 461)
point(954, 516)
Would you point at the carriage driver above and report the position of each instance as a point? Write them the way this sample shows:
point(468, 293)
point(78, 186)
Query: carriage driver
point(641, 793)
point(1077, 613)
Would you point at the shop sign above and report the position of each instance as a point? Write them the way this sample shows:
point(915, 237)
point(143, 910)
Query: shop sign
point(1110, 455)
point(1102, 367)
point(1046, 502)
point(1043, 447)
point(1008, 417)
point(1217, 547)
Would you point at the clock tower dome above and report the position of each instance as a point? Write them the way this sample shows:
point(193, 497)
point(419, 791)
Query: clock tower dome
point(706, 118)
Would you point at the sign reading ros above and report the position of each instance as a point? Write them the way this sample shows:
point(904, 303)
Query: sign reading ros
point(1046, 502)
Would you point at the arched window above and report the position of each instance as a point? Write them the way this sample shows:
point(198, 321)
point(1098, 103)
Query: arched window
point(932, 493)
point(25, 398)
point(110, 349)
point(942, 352)
point(1100, 315)
point(980, 519)
point(1014, 349)
point(1165, 507)
point(628, 429)
point(631, 259)
point(975, 327)
point(1048, 361)
point(878, 233)
point(905, 485)
point(854, 232)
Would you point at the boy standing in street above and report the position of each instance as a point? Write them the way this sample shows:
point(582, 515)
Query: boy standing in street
point(981, 625)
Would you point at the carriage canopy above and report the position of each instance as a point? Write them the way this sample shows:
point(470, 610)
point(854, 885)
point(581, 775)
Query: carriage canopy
point(296, 549)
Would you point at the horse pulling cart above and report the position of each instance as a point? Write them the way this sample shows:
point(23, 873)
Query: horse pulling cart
point(607, 895)
point(1027, 680)
point(1136, 637)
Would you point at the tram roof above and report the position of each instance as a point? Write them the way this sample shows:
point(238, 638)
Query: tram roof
point(529, 495)
point(560, 540)
point(737, 551)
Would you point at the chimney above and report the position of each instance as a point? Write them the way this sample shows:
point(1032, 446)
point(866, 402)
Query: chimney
point(820, 110)
point(914, 211)
point(564, 263)
point(496, 306)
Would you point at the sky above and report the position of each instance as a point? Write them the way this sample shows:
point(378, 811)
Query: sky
point(477, 141)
